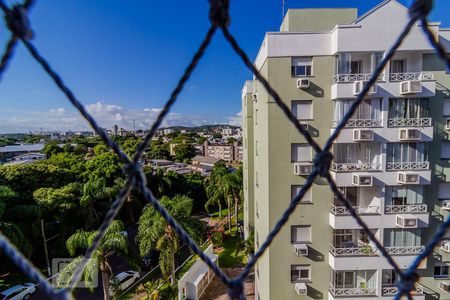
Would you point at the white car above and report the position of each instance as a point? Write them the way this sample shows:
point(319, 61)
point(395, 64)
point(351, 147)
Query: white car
point(123, 280)
point(18, 292)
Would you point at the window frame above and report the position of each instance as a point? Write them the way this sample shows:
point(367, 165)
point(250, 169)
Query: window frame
point(303, 102)
point(299, 269)
point(309, 241)
point(441, 273)
point(308, 66)
point(308, 195)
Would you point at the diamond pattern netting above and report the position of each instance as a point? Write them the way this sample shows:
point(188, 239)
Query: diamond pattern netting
point(16, 18)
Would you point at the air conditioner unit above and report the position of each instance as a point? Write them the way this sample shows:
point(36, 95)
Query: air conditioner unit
point(410, 87)
point(362, 180)
point(446, 205)
point(360, 135)
point(408, 178)
point(303, 83)
point(409, 134)
point(406, 221)
point(359, 85)
point(447, 124)
point(444, 285)
point(446, 246)
point(305, 126)
point(301, 249)
point(303, 168)
point(301, 288)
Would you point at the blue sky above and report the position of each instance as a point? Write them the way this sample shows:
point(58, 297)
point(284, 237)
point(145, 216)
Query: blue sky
point(123, 58)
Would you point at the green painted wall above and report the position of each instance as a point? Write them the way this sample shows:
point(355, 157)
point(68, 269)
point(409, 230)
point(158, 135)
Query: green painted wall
point(297, 20)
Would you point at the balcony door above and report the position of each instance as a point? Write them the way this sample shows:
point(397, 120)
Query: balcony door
point(398, 66)
point(404, 195)
point(407, 152)
point(402, 237)
point(410, 108)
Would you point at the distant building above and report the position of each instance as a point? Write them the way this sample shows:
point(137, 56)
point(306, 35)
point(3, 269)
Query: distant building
point(220, 151)
point(160, 162)
point(206, 161)
point(167, 131)
point(8, 152)
point(27, 158)
point(115, 130)
point(227, 131)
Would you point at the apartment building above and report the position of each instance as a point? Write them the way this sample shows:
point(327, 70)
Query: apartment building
point(391, 160)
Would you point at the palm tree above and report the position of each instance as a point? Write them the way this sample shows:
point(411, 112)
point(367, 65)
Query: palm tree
point(114, 242)
point(95, 200)
point(154, 233)
point(215, 189)
point(233, 187)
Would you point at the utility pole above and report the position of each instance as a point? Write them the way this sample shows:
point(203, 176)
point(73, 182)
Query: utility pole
point(45, 248)
point(283, 8)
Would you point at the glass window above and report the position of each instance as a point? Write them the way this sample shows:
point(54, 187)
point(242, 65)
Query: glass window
point(404, 195)
point(408, 108)
point(301, 153)
point(300, 273)
point(302, 66)
point(407, 152)
point(300, 234)
point(446, 107)
point(398, 66)
point(402, 237)
point(295, 190)
point(445, 150)
point(302, 109)
point(369, 109)
point(441, 271)
point(389, 278)
point(351, 193)
point(355, 67)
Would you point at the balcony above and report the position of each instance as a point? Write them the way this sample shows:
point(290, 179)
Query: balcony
point(396, 209)
point(343, 211)
point(365, 250)
point(346, 78)
point(360, 123)
point(353, 292)
point(355, 167)
point(393, 290)
point(405, 250)
point(409, 122)
point(420, 76)
point(404, 166)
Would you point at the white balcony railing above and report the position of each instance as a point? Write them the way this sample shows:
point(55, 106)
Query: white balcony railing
point(353, 251)
point(355, 77)
point(393, 290)
point(409, 122)
point(368, 210)
point(398, 166)
point(352, 167)
point(422, 76)
point(395, 209)
point(360, 123)
point(405, 250)
point(344, 292)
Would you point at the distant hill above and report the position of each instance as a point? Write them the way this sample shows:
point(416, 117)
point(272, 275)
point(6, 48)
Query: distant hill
point(199, 128)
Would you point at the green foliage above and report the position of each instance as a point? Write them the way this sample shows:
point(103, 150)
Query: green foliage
point(158, 150)
point(60, 198)
point(52, 149)
point(231, 140)
point(104, 165)
point(184, 151)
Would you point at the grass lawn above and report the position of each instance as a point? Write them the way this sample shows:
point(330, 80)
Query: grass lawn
point(232, 254)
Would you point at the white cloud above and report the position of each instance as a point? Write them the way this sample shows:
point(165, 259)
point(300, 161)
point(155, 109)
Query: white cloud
point(106, 115)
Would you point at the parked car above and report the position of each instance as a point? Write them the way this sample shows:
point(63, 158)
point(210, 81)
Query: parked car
point(122, 281)
point(18, 292)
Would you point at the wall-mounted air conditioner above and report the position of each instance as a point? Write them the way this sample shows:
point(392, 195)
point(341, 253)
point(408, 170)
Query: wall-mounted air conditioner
point(301, 288)
point(359, 85)
point(446, 246)
point(406, 221)
point(302, 168)
point(360, 135)
point(301, 249)
point(447, 124)
point(362, 180)
point(446, 205)
point(444, 285)
point(410, 87)
point(408, 178)
point(409, 134)
point(303, 83)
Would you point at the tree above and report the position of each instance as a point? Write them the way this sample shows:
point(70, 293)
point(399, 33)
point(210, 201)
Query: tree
point(184, 151)
point(104, 165)
point(214, 188)
point(231, 140)
point(52, 148)
point(10, 215)
point(114, 242)
point(155, 233)
point(158, 150)
point(96, 200)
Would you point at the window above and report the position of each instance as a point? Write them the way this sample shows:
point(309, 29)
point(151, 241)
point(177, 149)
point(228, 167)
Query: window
point(256, 148)
point(300, 273)
point(444, 191)
point(398, 66)
point(445, 150)
point(256, 117)
point(404, 195)
point(409, 108)
point(389, 278)
point(355, 67)
point(295, 190)
point(257, 210)
point(407, 152)
point(351, 193)
point(441, 271)
point(446, 107)
point(402, 237)
point(301, 153)
point(302, 110)
point(369, 109)
point(300, 234)
point(301, 66)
